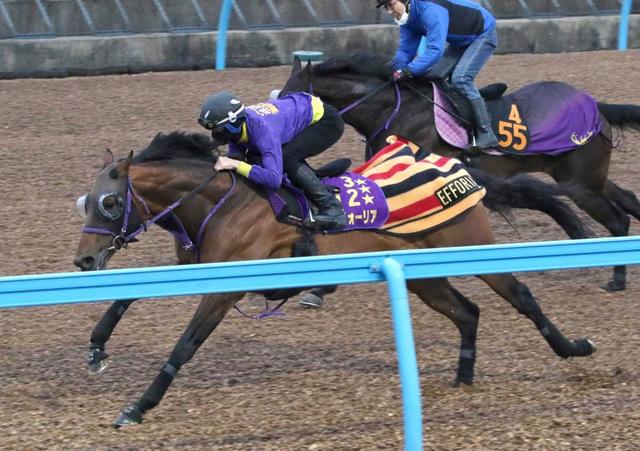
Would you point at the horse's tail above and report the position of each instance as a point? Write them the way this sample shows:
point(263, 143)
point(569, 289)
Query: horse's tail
point(524, 191)
point(621, 116)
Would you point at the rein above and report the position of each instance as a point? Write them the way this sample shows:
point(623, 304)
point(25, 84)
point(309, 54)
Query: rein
point(365, 98)
point(122, 239)
point(393, 115)
point(424, 96)
point(361, 100)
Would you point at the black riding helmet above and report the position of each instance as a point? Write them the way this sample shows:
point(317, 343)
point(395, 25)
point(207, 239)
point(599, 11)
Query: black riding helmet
point(222, 111)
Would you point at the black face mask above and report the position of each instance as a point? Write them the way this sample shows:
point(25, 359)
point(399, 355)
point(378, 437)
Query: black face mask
point(224, 137)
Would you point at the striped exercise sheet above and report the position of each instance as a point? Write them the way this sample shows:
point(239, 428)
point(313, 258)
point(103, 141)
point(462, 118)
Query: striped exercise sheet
point(423, 190)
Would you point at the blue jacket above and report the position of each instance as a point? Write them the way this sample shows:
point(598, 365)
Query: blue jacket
point(458, 22)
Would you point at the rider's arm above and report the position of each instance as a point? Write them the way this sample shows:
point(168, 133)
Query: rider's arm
point(409, 42)
point(436, 21)
point(269, 172)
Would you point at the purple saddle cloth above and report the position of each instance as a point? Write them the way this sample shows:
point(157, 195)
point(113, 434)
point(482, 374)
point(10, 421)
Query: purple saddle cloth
point(363, 202)
point(547, 117)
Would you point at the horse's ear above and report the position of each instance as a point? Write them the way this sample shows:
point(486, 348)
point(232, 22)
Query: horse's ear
point(108, 158)
point(297, 64)
point(128, 161)
point(307, 68)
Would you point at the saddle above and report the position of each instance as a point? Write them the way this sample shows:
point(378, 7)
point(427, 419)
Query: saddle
point(402, 190)
point(547, 117)
point(289, 203)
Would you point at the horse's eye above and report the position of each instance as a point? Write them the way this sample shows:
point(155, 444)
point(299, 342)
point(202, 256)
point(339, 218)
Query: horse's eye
point(109, 202)
point(110, 206)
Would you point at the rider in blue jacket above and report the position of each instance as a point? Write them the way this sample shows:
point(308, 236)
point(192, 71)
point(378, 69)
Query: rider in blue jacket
point(461, 24)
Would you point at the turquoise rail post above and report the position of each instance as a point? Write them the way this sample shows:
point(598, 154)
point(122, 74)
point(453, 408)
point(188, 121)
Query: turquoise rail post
point(223, 28)
point(407, 363)
point(623, 33)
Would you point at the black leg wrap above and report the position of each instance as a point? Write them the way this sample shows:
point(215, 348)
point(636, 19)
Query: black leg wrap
point(102, 332)
point(560, 345)
point(620, 273)
point(170, 369)
point(466, 365)
point(619, 282)
point(158, 388)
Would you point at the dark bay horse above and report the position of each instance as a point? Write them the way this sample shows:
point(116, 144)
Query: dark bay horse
point(343, 81)
point(219, 210)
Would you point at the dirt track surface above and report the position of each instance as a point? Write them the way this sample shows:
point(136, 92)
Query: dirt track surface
point(317, 380)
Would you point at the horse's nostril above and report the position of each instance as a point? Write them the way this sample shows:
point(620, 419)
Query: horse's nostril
point(84, 263)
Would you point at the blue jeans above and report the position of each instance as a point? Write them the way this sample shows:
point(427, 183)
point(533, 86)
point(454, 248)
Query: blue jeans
point(471, 62)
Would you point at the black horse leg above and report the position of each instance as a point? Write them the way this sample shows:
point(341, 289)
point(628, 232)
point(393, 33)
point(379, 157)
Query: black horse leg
point(315, 297)
point(615, 220)
point(442, 297)
point(628, 202)
point(624, 199)
point(97, 360)
point(521, 298)
point(209, 314)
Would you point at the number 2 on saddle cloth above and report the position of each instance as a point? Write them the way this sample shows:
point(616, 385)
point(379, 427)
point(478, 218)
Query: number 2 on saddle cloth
point(402, 190)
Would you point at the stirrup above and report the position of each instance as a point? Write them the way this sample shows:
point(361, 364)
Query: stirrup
point(472, 149)
point(337, 222)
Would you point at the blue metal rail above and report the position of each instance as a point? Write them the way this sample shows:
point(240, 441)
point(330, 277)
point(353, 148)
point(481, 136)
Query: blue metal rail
point(396, 267)
point(63, 288)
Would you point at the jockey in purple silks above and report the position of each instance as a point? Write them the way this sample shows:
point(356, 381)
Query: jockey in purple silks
point(460, 24)
point(275, 137)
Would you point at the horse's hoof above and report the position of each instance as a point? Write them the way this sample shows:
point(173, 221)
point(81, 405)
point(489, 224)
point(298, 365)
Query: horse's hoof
point(97, 368)
point(311, 300)
point(584, 347)
point(130, 416)
point(462, 382)
point(97, 361)
point(594, 348)
point(614, 285)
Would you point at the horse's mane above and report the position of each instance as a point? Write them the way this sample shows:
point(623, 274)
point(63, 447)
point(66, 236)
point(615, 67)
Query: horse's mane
point(359, 63)
point(178, 145)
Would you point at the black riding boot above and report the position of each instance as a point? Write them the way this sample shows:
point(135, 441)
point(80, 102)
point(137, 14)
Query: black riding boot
point(485, 138)
point(330, 214)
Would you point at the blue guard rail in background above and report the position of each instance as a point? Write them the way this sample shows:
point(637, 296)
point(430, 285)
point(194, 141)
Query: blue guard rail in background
point(223, 29)
point(396, 267)
point(225, 16)
point(623, 34)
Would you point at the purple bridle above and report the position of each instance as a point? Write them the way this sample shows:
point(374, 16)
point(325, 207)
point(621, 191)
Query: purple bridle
point(367, 97)
point(167, 219)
